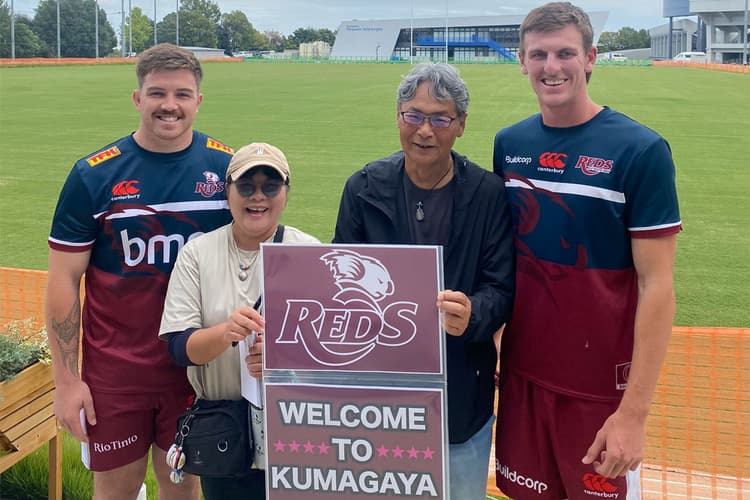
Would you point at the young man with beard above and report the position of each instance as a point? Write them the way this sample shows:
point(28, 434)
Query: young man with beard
point(122, 216)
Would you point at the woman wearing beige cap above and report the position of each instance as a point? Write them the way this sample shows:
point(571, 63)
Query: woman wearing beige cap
point(214, 295)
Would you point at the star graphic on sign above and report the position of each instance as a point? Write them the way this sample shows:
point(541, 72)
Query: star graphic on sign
point(428, 453)
point(398, 452)
point(279, 446)
point(294, 446)
point(309, 447)
point(323, 448)
point(413, 452)
point(382, 451)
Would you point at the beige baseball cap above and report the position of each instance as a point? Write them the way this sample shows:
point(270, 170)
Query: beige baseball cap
point(255, 155)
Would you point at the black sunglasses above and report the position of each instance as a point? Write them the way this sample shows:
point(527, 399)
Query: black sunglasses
point(270, 189)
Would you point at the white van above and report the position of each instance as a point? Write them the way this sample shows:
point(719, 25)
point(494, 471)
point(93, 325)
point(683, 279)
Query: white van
point(699, 57)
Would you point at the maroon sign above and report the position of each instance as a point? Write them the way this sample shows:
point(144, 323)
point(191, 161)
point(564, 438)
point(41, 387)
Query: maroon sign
point(335, 442)
point(352, 308)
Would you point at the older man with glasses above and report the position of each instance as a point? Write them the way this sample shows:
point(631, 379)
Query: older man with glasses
point(427, 194)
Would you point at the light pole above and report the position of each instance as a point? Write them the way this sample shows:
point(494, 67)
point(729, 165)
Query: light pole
point(177, 24)
point(446, 31)
point(58, 29)
point(12, 31)
point(744, 51)
point(96, 29)
point(122, 28)
point(377, 48)
point(130, 28)
point(155, 22)
point(411, 35)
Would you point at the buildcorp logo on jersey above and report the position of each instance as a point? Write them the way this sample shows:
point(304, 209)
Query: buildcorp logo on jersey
point(515, 477)
point(511, 160)
point(352, 308)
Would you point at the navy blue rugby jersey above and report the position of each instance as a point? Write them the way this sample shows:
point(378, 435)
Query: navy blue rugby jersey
point(578, 195)
point(134, 210)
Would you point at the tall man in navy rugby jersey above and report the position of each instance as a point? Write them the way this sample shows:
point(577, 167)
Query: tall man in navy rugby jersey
point(123, 214)
point(595, 219)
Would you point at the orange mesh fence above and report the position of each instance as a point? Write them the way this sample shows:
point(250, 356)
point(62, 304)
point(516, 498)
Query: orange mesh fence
point(732, 68)
point(698, 436)
point(22, 295)
point(699, 428)
point(698, 442)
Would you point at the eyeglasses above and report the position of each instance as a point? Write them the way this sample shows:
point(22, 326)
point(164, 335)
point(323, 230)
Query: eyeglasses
point(417, 118)
point(247, 189)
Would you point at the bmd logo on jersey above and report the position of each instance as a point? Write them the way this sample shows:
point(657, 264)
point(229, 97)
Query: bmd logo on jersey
point(592, 166)
point(103, 156)
point(211, 186)
point(599, 486)
point(334, 336)
point(552, 162)
point(337, 307)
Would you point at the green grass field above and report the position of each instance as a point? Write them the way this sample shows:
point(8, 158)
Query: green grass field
point(330, 119)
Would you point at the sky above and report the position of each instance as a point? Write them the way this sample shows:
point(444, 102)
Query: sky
point(285, 16)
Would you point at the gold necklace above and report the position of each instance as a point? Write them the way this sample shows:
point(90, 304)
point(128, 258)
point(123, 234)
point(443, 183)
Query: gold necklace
point(420, 206)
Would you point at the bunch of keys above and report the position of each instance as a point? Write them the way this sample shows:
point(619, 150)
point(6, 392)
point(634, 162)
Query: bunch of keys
point(176, 461)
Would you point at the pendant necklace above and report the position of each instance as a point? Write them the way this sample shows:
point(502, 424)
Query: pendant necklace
point(420, 206)
point(242, 275)
point(235, 251)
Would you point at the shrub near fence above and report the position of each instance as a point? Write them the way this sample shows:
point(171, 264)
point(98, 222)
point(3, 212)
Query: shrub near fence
point(698, 432)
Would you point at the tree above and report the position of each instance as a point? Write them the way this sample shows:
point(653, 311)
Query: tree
point(208, 9)
point(609, 41)
point(327, 36)
point(196, 30)
point(276, 40)
point(165, 29)
point(27, 44)
point(306, 35)
point(235, 33)
point(143, 30)
point(77, 29)
point(260, 42)
point(626, 38)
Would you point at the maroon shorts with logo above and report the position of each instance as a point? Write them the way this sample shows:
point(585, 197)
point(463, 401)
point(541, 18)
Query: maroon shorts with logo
point(540, 440)
point(127, 425)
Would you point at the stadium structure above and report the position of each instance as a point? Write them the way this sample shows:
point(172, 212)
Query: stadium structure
point(465, 39)
point(722, 30)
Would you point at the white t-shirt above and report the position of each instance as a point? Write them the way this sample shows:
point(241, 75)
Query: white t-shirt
point(204, 289)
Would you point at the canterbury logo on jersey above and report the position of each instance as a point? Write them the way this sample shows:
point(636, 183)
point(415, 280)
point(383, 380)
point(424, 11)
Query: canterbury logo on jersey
point(552, 160)
point(103, 156)
point(125, 188)
point(599, 486)
point(214, 144)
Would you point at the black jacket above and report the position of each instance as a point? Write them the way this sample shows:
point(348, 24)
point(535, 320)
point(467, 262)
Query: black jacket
point(478, 260)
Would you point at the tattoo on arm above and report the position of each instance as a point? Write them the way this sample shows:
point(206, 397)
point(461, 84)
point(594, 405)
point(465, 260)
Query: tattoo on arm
point(68, 338)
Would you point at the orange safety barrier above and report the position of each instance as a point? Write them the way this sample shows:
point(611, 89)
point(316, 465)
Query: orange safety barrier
point(45, 61)
point(732, 68)
point(698, 442)
point(698, 435)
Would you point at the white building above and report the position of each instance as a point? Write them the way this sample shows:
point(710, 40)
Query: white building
point(205, 52)
point(721, 31)
point(725, 22)
point(474, 38)
point(315, 50)
point(684, 32)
